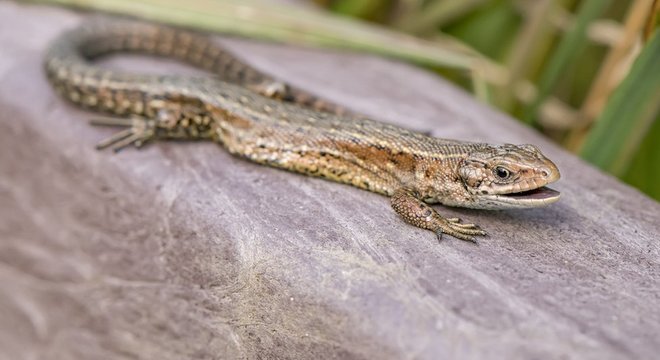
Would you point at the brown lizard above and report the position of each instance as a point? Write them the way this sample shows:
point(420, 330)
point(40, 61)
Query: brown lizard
point(264, 120)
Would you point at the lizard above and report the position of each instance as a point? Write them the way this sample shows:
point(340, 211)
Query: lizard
point(267, 121)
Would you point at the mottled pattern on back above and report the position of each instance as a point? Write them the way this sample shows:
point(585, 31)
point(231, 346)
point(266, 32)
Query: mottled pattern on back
point(270, 122)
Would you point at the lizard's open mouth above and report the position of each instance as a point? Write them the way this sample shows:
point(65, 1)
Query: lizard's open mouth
point(540, 196)
point(525, 199)
point(543, 193)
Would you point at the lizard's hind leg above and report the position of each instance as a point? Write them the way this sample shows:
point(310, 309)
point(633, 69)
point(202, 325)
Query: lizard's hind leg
point(187, 123)
point(138, 131)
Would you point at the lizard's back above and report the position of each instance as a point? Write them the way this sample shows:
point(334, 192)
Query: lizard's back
point(284, 130)
point(269, 122)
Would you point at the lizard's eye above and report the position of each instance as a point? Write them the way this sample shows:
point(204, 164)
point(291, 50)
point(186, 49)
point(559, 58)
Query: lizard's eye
point(502, 173)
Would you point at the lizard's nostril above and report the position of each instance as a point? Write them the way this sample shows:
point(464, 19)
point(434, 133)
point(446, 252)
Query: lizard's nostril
point(545, 173)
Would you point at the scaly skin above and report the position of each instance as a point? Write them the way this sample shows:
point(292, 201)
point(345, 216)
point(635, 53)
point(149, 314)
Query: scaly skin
point(261, 119)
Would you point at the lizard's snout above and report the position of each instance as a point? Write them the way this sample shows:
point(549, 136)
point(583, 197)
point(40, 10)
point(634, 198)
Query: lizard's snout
point(549, 172)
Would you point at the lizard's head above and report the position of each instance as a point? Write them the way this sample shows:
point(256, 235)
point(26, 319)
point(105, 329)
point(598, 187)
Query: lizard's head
point(509, 176)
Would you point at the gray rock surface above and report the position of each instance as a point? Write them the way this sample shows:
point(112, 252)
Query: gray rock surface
point(182, 251)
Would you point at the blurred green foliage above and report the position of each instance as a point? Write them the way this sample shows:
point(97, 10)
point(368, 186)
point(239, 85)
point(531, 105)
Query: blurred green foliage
point(490, 29)
point(628, 114)
point(644, 171)
point(560, 47)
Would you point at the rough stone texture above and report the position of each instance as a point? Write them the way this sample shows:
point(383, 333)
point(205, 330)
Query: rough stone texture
point(182, 251)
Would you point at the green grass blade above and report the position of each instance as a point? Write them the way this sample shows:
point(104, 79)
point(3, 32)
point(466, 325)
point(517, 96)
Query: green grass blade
point(366, 9)
point(628, 115)
point(285, 23)
point(567, 51)
point(435, 15)
point(644, 170)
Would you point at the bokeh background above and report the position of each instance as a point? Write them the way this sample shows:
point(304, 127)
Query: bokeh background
point(572, 68)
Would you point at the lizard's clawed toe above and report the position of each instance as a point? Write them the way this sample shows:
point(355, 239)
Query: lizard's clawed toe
point(463, 231)
point(139, 131)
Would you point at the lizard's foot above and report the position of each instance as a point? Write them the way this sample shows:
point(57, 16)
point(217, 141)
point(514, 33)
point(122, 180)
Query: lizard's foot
point(138, 131)
point(416, 212)
point(455, 228)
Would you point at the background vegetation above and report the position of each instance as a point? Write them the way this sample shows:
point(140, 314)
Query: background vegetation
point(584, 72)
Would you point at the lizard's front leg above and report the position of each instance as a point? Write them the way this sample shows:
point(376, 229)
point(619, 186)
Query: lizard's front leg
point(414, 211)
